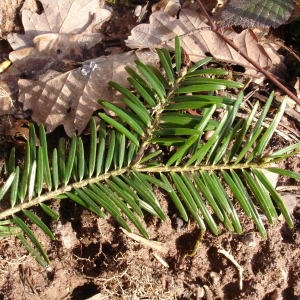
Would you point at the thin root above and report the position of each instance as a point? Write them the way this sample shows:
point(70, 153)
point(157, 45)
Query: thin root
point(237, 265)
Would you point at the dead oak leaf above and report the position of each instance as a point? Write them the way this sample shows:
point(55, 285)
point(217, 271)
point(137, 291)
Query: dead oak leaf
point(60, 46)
point(70, 98)
point(197, 39)
point(62, 23)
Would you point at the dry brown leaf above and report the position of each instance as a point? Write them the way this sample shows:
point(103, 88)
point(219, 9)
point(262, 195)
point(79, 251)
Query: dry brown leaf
point(63, 30)
point(30, 67)
point(6, 103)
point(70, 98)
point(197, 39)
point(170, 7)
point(19, 54)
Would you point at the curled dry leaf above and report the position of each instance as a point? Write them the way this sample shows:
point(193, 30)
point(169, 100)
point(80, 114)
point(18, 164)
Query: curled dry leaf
point(197, 39)
point(70, 98)
point(168, 6)
point(63, 29)
point(16, 131)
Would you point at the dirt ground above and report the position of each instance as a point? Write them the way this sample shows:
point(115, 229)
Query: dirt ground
point(93, 258)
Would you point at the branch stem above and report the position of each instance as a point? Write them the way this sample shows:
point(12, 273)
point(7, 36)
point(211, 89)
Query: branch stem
point(158, 110)
point(135, 168)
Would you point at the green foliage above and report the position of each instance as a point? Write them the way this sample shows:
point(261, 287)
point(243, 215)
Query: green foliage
point(209, 165)
point(257, 13)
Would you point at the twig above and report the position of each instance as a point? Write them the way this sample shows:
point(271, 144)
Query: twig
point(154, 245)
point(239, 268)
point(209, 19)
point(288, 49)
point(161, 260)
point(249, 59)
point(158, 246)
point(287, 188)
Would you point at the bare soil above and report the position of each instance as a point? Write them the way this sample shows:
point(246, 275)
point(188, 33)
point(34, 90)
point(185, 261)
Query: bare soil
point(93, 257)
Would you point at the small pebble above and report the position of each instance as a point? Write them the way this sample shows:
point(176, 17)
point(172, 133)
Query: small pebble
point(200, 293)
point(215, 277)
